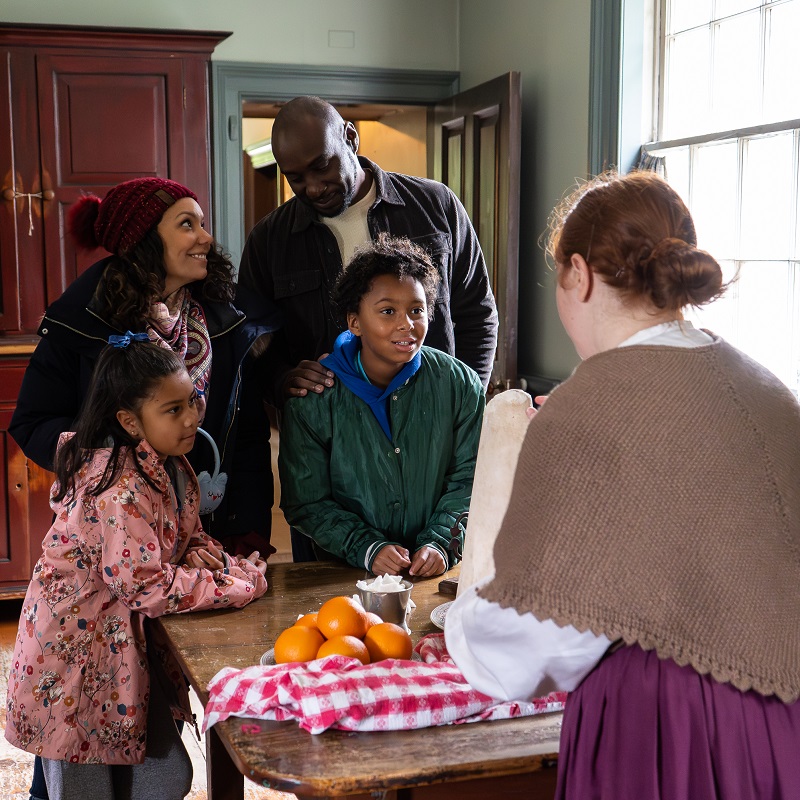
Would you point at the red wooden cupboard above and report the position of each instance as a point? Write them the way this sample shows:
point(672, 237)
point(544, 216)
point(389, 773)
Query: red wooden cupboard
point(81, 109)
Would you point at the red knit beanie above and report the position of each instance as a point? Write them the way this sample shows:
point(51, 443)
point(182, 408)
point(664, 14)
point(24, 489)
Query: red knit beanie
point(122, 219)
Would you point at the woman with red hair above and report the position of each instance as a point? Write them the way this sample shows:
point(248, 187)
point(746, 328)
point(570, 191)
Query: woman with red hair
point(649, 559)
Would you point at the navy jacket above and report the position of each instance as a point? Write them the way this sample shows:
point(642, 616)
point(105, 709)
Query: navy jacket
point(57, 379)
point(293, 260)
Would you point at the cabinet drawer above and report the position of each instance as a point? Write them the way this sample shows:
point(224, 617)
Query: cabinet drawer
point(11, 372)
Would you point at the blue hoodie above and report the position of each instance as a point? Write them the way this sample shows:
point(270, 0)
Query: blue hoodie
point(342, 362)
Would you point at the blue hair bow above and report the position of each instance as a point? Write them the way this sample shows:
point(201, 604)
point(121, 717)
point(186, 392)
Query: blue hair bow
point(126, 338)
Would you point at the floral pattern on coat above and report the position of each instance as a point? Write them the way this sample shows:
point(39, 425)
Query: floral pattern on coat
point(79, 682)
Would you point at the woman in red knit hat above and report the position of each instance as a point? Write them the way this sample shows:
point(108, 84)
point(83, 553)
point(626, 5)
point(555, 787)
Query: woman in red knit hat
point(166, 277)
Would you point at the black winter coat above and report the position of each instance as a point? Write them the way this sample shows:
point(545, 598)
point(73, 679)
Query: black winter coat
point(57, 379)
point(292, 259)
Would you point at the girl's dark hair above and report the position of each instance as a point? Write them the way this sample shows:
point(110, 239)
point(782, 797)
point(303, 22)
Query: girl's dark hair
point(638, 236)
point(133, 279)
point(123, 378)
point(388, 255)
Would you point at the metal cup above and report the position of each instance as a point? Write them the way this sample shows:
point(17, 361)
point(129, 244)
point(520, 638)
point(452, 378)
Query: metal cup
point(389, 606)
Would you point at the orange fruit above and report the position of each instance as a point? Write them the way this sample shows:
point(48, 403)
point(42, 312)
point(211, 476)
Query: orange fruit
point(345, 646)
point(373, 618)
point(342, 616)
point(308, 620)
point(387, 640)
point(298, 643)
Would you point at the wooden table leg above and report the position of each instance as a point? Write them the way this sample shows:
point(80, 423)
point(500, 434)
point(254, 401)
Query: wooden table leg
point(223, 780)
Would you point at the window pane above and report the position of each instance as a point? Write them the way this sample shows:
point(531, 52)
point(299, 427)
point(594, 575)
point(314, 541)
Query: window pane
point(796, 247)
point(685, 14)
point(781, 87)
point(720, 316)
point(765, 310)
point(757, 311)
point(767, 188)
point(736, 87)
point(676, 166)
point(714, 198)
point(687, 100)
point(724, 8)
point(487, 200)
point(453, 164)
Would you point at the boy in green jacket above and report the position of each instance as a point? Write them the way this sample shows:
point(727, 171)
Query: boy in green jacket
point(376, 468)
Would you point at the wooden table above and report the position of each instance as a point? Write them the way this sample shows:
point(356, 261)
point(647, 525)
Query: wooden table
point(508, 759)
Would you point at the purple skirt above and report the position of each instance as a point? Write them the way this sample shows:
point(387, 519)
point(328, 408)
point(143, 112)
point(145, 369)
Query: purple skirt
point(639, 728)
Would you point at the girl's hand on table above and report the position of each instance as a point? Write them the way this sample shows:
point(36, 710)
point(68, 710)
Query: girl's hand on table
point(259, 563)
point(428, 561)
point(391, 560)
point(209, 557)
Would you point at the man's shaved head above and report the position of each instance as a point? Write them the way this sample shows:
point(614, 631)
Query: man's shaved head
point(301, 108)
point(316, 152)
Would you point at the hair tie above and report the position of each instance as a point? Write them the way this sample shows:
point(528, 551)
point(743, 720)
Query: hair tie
point(126, 338)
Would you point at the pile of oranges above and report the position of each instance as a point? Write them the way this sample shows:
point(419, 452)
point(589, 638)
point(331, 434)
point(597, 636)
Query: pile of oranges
point(342, 627)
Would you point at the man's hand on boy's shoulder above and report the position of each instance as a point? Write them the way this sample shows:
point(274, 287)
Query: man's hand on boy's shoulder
point(307, 376)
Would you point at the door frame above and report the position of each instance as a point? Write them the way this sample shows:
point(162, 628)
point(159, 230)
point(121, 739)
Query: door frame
point(235, 82)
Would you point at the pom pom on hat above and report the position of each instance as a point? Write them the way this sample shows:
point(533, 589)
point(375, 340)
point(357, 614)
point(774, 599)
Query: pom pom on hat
point(81, 219)
point(124, 216)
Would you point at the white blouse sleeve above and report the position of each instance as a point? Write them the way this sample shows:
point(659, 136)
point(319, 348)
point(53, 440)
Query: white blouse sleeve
point(514, 656)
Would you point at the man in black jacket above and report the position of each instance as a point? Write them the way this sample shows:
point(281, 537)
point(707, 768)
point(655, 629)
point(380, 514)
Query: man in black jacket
point(293, 256)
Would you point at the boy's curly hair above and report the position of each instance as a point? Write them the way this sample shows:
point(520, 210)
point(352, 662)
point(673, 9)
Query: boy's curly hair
point(388, 255)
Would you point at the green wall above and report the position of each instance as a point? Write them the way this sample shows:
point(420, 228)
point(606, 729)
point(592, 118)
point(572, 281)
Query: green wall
point(385, 33)
point(547, 41)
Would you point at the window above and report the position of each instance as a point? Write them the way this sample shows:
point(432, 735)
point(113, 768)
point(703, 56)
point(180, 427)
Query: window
point(728, 127)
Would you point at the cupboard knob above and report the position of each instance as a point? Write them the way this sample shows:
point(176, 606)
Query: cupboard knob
point(8, 194)
point(48, 194)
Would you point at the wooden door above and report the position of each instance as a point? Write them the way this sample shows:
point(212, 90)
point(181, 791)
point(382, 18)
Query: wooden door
point(82, 109)
point(113, 120)
point(25, 514)
point(477, 138)
point(21, 236)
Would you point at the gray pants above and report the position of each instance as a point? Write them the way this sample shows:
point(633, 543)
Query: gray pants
point(166, 773)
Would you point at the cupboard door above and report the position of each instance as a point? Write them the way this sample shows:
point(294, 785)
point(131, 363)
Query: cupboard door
point(21, 235)
point(114, 118)
point(25, 514)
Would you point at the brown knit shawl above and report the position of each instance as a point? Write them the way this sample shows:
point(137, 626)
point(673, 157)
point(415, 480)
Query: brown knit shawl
point(657, 500)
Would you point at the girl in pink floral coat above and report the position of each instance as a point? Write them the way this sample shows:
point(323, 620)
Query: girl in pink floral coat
point(126, 544)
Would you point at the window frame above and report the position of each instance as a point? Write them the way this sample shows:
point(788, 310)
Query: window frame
point(619, 48)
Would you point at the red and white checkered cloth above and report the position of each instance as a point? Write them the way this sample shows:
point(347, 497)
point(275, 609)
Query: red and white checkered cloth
point(340, 692)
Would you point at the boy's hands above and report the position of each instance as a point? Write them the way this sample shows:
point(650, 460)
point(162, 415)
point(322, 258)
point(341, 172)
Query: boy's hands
point(391, 560)
point(427, 562)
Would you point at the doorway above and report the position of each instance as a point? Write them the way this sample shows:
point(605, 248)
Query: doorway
point(472, 142)
point(391, 135)
point(235, 83)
